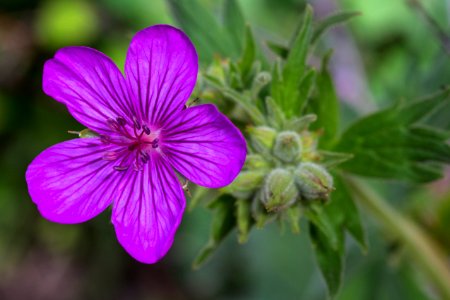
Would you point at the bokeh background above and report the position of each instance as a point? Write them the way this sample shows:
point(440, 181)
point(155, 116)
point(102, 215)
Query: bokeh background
point(393, 50)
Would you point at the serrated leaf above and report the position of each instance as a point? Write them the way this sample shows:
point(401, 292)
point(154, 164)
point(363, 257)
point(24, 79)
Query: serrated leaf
point(248, 54)
point(329, 259)
point(224, 220)
point(285, 89)
point(389, 143)
point(234, 22)
point(317, 215)
point(203, 29)
point(305, 90)
point(244, 219)
point(323, 25)
point(343, 211)
point(326, 106)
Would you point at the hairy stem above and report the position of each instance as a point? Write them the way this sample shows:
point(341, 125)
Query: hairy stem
point(428, 256)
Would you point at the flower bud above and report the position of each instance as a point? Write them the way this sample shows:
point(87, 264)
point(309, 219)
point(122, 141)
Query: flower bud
point(256, 161)
point(288, 146)
point(245, 183)
point(279, 190)
point(313, 180)
point(262, 138)
point(261, 79)
point(87, 133)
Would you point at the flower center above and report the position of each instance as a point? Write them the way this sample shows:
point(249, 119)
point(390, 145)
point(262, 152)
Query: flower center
point(136, 141)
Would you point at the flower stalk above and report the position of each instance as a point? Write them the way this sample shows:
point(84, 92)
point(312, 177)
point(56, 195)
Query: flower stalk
point(428, 255)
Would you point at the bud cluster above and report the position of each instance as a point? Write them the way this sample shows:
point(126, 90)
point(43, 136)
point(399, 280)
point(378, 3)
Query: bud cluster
point(282, 172)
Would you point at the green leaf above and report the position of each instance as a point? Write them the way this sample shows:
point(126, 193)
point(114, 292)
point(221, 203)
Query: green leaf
point(330, 21)
point(330, 260)
point(285, 88)
point(305, 90)
point(317, 215)
point(327, 225)
point(223, 222)
point(390, 144)
point(343, 211)
point(326, 106)
point(234, 22)
point(248, 55)
point(203, 29)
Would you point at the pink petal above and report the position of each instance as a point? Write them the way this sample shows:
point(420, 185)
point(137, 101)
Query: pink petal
point(205, 146)
point(148, 211)
point(161, 69)
point(70, 182)
point(90, 84)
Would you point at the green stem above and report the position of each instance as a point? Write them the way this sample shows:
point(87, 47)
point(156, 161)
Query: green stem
point(428, 256)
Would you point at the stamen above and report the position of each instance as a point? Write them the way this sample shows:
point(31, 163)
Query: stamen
point(146, 129)
point(145, 157)
point(121, 121)
point(110, 155)
point(120, 168)
point(136, 123)
point(137, 166)
point(154, 146)
point(155, 141)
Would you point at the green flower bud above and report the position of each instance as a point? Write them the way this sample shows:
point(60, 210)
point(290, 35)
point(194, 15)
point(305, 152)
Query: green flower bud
point(288, 146)
point(255, 162)
point(262, 138)
point(279, 190)
point(314, 181)
point(245, 183)
point(85, 133)
point(261, 79)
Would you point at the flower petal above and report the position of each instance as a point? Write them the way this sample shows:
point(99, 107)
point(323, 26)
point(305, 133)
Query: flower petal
point(90, 84)
point(148, 211)
point(161, 68)
point(205, 146)
point(70, 182)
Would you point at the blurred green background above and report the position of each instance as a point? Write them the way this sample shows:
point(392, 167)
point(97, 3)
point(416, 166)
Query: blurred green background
point(388, 53)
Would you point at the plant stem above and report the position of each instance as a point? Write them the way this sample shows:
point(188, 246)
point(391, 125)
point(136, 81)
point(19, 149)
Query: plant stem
point(426, 253)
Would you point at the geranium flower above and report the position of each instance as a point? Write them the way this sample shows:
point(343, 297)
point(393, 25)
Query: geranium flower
point(145, 134)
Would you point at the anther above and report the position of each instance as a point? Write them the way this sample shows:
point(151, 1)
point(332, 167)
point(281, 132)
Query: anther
point(120, 168)
point(154, 146)
point(121, 121)
point(136, 123)
point(137, 166)
point(146, 129)
point(145, 156)
point(110, 155)
point(155, 141)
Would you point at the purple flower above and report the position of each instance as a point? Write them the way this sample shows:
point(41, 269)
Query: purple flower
point(145, 134)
